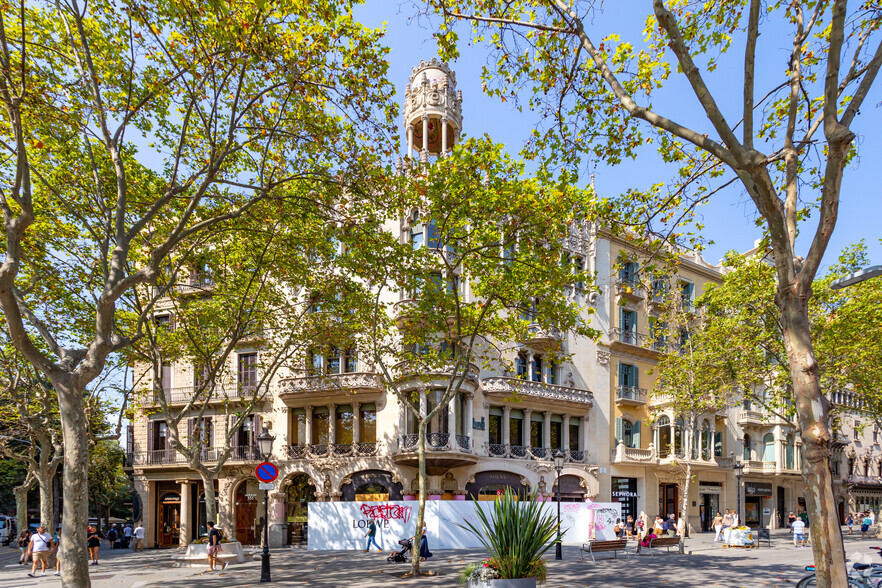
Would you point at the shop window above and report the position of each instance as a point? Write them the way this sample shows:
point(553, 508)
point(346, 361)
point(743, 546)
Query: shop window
point(494, 426)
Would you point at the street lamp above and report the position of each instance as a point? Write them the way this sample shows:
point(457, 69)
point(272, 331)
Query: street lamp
point(739, 471)
point(853, 278)
point(265, 447)
point(558, 466)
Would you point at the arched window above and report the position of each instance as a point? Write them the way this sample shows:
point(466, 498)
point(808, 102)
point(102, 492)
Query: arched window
point(706, 441)
point(747, 448)
point(769, 447)
point(788, 453)
point(664, 436)
point(679, 446)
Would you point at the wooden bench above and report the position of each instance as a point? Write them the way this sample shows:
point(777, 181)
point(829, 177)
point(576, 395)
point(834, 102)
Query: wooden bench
point(663, 542)
point(593, 547)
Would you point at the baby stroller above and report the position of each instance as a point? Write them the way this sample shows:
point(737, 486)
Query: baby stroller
point(401, 556)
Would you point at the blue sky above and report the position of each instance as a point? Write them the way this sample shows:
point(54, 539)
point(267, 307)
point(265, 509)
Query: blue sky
point(729, 218)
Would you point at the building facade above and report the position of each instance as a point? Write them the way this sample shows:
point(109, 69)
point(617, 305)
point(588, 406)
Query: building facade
point(342, 436)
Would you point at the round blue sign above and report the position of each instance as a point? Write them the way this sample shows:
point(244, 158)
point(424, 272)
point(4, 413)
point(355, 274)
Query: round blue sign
point(266, 472)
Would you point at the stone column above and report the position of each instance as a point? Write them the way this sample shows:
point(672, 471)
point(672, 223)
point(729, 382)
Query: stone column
point(146, 491)
point(546, 433)
point(467, 416)
point(278, 529)
point(308, 433)
point(528, 424)
point(332, 425)
point(444, 135)
point(506, 425)
point(585, 441)
point(565, 432)
point(186, 512)
point(410, 141)
point(452, 415)
point(356, 424)
point(425, 152)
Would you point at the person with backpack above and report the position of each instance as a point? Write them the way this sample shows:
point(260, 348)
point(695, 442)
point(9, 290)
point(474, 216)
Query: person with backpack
point(214, 546)
point(111, 537)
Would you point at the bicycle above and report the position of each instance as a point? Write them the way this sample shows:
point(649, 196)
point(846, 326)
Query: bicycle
point(860, 576)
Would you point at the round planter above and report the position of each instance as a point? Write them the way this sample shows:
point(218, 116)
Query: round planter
point(459, 496)
point(519, 583)
point(408, 497)
point(434, 497)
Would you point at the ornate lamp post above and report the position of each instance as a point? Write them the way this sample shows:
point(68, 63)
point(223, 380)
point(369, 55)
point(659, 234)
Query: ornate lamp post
point(739, 471)
point(265, 446)
point(558, 466)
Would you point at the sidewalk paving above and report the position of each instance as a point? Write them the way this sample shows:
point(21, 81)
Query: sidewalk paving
point(708, 565)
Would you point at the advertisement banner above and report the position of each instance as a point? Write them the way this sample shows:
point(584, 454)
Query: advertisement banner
point(343, 525)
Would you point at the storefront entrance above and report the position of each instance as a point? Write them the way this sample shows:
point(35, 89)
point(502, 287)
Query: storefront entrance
point(709, 503)
point(668, 499)
point(754, 494)
point(246, 513)
point(624, 491)
point(299, 494)
point(169, 534)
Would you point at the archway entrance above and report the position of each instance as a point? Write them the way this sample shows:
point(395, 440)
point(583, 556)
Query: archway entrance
point(369, 485)
point(169, 534)
point(489, 485)
point(246, 513)
point(298, 494)
point(571, 489)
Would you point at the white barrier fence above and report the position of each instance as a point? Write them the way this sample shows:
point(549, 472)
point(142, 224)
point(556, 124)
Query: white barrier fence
point(343, 525)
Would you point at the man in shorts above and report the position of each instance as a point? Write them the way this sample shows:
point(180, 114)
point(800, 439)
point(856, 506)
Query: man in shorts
point(798, 533)
point(38, 549)
point(138, 534)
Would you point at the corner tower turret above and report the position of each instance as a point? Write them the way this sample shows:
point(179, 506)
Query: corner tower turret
point(432, 110)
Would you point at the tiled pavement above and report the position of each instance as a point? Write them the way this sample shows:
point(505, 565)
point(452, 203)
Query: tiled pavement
point(707, 565)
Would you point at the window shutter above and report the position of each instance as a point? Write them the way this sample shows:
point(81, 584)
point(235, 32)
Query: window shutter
point(634, 376)
point(635, 434)
point(150, 435)
point(618, 430)
point(621, 374)
point(191, 424)
point(208, 432)
point(257, 429)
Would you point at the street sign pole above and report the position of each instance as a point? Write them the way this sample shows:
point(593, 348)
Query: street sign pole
point(266, 472)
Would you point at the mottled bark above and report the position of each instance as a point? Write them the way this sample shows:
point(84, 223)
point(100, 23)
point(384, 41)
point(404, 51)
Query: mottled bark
point(813, 414)
point(21, 501)
point(421, 509)
point(210, 496)
point(74, 556)
point(46, 501)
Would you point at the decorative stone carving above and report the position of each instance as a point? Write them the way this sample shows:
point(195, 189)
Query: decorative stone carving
point(525, 482)
point(507, 386)
point(396, 479)
point(448, 484)
point(541, 486)
point(346, 481)
point(538, 466)
point(328, 464)
point(357, 381)
point(603, 357)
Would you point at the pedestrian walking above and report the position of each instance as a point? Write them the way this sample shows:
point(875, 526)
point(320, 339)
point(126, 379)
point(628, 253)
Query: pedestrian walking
point(371, 536)
point(24, 539)
point(865, 525)
point(112, 537)
point(618, 529)
point(58, 552)
point(728, 519)
point(798, 528)
point(38, 550)
point(214, 546)
point(127, 536)
point(629, 527)
point(718, 526)
point(138, 534)
point(849, 522)
point(93, 542)
point(790, 518)
point(424, 545)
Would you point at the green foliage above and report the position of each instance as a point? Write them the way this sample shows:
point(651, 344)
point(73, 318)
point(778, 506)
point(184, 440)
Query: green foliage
point(108, 482)
point(517, 534)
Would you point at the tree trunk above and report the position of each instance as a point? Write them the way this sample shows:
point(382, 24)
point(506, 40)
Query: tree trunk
point(421, 509)
point(46, 506)
point(210, 500)
point(21, 501)
point(74, 556)
point(813, 414)
point(685, 508)
point(56, 499)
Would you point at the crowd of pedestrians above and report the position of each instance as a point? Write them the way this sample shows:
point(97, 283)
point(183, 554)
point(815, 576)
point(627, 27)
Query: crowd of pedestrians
point(39, 547)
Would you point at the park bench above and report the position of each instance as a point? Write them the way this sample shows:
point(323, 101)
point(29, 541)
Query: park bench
point(668, 542)
point(593, 547)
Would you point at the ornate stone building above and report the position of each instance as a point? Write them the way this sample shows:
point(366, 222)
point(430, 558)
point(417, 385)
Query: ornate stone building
point(341, 436)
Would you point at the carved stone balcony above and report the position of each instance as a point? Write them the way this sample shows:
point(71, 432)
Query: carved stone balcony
point(443, 451)
point(759, 467)
point(748, 418)
point(544, 338)
point(533, 453)
point(411, 377)
point(633, 455)
point(331, 384)
point(506, 386)
point(630, 396)
point(336, 450)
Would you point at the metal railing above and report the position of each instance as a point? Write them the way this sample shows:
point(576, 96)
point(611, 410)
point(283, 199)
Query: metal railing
point(183, 394)
point(436, 442)
point(632, 393)
point(537, 453)
point(336, 449)
point(464, 442)
point(196, 283)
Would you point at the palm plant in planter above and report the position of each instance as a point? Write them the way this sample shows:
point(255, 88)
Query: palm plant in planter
point(517, 535)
